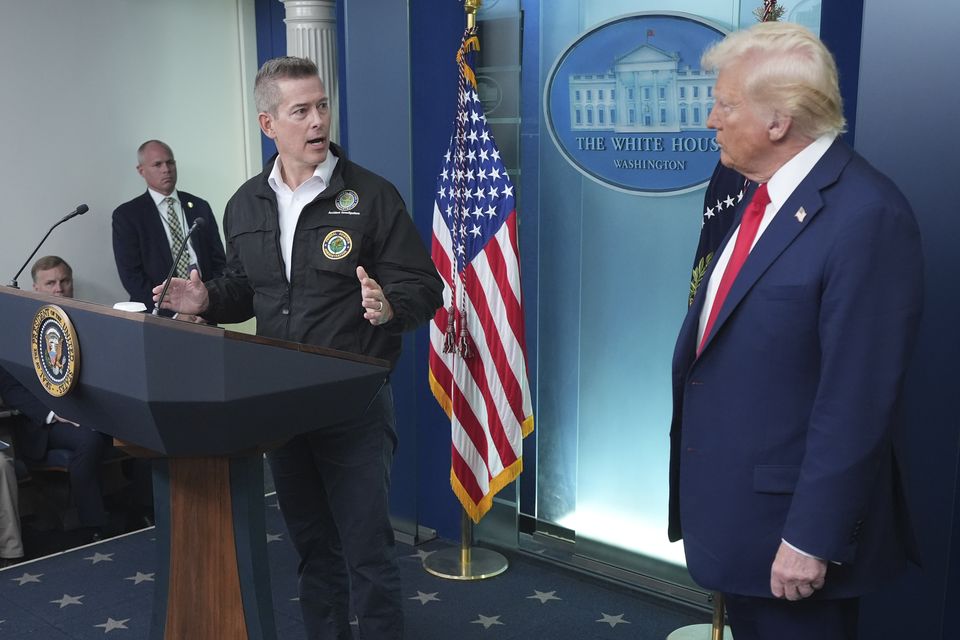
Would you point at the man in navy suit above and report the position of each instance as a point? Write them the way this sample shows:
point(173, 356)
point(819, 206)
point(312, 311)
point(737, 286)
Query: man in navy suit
point(787, 372)
point(148, 229)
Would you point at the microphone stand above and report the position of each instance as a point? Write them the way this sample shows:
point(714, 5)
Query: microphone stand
point(76, 212)
point(196, 223)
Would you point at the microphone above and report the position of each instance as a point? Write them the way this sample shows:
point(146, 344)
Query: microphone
point(199, 222)
point(79, 211)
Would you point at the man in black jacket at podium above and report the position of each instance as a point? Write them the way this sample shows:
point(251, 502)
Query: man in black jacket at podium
point(323, 252)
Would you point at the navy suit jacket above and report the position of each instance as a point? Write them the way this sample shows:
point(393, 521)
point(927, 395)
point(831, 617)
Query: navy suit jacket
point(142, 251)
point(31, 433)
point(783, 426)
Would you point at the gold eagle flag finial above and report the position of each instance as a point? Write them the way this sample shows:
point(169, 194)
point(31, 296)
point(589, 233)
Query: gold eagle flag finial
point(470, 7)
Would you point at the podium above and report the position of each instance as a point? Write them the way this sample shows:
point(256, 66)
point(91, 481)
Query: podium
point(207, 402)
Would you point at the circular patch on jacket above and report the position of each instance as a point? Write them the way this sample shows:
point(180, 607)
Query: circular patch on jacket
point(337, 245)
point(56, 352)
point(347, 200)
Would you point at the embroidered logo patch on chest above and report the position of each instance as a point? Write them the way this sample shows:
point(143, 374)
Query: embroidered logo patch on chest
point(347, 200)
point(337, 245)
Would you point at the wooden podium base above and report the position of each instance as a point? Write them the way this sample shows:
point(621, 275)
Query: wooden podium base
point(212, 576)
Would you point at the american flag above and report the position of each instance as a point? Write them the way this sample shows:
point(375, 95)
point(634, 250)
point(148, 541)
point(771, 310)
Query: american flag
point(478, 366)
point(724, 193)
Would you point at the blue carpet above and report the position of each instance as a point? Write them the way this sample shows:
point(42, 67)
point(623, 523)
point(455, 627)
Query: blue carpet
point(106, 589)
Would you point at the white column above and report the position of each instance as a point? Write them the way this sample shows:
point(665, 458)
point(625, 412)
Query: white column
point(312, 33)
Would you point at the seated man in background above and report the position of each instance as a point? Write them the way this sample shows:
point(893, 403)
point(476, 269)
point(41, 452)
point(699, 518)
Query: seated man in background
point(41, 430)
point(52, 274)
point(148, 230)
point(44, 430)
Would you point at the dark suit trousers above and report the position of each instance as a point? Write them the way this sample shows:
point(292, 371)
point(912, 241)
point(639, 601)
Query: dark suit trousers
point(87, 446)
point(754, 618)
point(332, 487)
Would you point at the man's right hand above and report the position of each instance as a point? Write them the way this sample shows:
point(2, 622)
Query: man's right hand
point(184, 296)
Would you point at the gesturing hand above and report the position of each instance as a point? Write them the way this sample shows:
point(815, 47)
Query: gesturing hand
point(184, 296)
point(376, 307)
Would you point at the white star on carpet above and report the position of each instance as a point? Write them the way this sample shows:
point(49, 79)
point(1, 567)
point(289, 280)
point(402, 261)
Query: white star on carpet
point(67, 600)
point(423, 555)
point(486, 621)
point(112, 624)
point(274, 537)
point(612, 620)
point(100, 557)
point(424, 598)
point(543, 596)
point(27, 577)
point(141, 577)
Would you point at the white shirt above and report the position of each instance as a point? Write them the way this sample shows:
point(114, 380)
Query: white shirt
point(780, 187)
point(291, 202)
point(158, 199)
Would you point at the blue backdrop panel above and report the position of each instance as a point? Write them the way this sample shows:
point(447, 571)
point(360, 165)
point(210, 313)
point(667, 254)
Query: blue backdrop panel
point(909, 99)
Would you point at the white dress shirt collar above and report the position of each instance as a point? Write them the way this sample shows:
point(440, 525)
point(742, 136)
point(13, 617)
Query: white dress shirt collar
point(784, 182)
point(158, 198)
point(323, 171)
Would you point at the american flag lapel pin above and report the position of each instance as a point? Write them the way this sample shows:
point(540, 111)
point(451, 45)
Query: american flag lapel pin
point(800, 214)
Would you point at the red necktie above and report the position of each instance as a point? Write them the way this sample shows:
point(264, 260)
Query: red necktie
point(748, 231)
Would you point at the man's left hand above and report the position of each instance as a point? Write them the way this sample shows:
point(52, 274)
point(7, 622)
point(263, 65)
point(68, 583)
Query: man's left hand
point(376, 307)
point(796, 576)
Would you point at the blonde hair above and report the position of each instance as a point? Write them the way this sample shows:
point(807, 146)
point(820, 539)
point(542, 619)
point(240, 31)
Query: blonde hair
point(789, 70)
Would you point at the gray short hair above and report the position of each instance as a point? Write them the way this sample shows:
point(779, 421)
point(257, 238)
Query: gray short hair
point(143, 147)
point(266, 94)
point(46, 263)
point(789, 70)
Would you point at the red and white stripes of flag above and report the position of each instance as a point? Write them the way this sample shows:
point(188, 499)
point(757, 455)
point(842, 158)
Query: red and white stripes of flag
point(478, 369)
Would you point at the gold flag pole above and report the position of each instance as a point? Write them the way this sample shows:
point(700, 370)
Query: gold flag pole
point(715, 631)
point(467, 562)
point(471, 7)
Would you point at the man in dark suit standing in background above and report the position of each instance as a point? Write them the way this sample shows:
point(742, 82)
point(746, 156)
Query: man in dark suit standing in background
point(788, 369)
point(148, 230)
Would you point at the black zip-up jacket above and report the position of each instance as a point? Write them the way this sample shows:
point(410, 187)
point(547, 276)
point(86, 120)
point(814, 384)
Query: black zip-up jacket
point(359, 219)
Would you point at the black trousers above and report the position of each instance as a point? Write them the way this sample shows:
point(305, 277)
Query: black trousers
point(753, 618)
point(332, 485)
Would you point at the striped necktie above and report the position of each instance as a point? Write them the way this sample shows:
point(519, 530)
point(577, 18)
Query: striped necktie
point(176, 239)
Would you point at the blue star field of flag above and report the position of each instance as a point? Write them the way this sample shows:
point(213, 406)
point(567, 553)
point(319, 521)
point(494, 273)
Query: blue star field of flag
point(106, 590)
point(724, 193)
point(474, 192)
